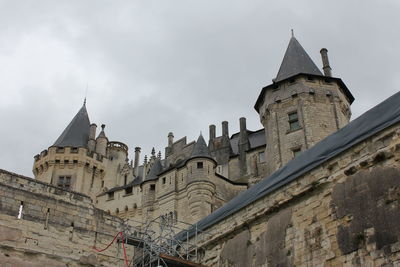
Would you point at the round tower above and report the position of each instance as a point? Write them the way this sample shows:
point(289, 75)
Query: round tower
point(101, 142)
point(200, 188)
point(301, 107)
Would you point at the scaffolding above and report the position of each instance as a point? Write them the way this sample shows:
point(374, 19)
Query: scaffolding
point(156, 242)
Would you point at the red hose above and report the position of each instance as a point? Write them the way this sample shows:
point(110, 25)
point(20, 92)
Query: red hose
point(123, 247)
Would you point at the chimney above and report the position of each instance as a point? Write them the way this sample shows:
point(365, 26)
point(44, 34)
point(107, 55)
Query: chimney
point(136, 166)
point(92, 133)
point(243, 146)
point(170, 139)
point(225, 130)
point(325, 62)
point(212, 132)
point(92, 137)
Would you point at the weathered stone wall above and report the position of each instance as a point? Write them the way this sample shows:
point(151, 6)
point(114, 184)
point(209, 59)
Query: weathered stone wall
point(344, 213)
point(321, 107)
point(57, 227)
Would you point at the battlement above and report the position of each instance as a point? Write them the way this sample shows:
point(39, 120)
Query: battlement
point(20, 182)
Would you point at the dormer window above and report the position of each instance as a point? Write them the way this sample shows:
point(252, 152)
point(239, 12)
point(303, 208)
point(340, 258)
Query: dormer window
point(200, 165)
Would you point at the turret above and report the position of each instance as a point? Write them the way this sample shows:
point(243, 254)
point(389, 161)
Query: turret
point(200, 170)
point(301, 107)
point(101, 142)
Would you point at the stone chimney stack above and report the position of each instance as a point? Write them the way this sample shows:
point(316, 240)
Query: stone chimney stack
point(136, 165)
point(325, 62)
point(212, 132)
point(92, 137)
point(170, 139)
point(225, 129)
point(243, 146)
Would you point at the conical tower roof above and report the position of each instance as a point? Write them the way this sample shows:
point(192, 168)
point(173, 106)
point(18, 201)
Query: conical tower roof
point(295, 61)
point(77, 132)
point(200, 149)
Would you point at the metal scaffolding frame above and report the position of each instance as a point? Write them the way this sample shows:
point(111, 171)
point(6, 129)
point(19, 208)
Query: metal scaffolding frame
point(158, 237)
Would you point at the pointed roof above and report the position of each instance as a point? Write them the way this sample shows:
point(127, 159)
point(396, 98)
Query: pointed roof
point(200, 149)
point(102, 134)
point(77, 132)
point(295, 61)
point(155, 170)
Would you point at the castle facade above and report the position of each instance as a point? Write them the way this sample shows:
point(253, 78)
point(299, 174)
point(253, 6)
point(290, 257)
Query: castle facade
point(301, 107)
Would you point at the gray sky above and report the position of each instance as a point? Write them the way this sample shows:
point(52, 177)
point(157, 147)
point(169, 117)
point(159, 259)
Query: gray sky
point(158, 66)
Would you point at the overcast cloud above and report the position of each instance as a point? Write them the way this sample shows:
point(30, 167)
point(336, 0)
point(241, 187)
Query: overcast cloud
point(158, 66)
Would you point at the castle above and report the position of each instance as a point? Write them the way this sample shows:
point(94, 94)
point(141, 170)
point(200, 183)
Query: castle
point(266, 195)
point(300, 108)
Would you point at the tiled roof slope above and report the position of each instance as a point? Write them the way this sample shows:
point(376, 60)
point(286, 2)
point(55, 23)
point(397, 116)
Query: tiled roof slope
point(77, 132)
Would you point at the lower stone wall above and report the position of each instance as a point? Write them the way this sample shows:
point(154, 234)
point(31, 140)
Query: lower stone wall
point(56, 228)
point(343, 213)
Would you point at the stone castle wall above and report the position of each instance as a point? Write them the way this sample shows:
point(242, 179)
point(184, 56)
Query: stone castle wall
point(345, 212)
point(57, 227)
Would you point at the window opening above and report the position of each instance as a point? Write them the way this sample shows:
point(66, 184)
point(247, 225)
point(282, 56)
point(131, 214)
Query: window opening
point(21, 209)
point(200, 165)
point(294, 121)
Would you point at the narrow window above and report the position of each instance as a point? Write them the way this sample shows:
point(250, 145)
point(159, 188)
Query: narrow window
point(199, 165)
point(294, 121)
point(296, 152)
point(125, 179)
point(102, 184)
point(163, 180)
point(21, 209)
point(128, 190)
point(261, 156)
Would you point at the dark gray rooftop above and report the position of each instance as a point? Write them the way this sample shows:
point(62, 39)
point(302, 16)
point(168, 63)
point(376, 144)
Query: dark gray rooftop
point(77, 132)
point(368, 124)
point(200, 149)
point(155, 170)
point(295, 61)
point(256, 139)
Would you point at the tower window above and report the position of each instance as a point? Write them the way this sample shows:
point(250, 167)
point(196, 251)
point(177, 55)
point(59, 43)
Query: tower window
point(152, 187)
point(296, 152)
point(261, 156)
point(128, 190)
point(199, 165)
point(64, 182)
point(294, 121)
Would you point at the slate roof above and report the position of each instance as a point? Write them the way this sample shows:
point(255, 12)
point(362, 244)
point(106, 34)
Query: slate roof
point(295, 61)
point(256, 139)
point(200, 149)
point(77, 132)
point(154, 171)
point(368, 124)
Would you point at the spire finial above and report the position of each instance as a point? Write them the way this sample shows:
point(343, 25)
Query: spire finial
point(84, 101)
point(292, 32)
